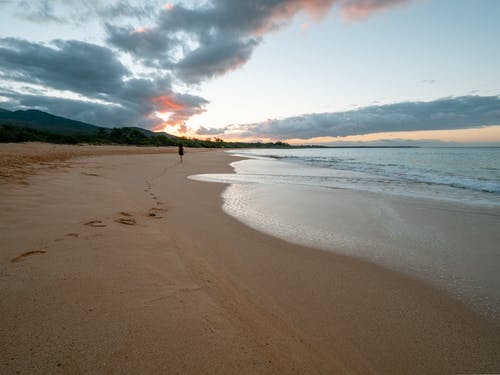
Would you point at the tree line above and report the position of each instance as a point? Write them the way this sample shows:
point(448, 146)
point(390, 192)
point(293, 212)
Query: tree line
point(121, 136)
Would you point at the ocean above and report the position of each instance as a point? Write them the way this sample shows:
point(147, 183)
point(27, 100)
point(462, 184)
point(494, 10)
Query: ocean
point(466, 175)
point(430, 213)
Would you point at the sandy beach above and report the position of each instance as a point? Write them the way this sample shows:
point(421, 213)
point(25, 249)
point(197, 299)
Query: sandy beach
point(113, 261)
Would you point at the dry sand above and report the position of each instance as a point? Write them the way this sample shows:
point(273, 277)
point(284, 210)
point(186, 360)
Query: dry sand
point(120, 264)
point(20, 160)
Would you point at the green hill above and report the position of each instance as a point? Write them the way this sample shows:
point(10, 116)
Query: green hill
point(38, 120)
point(45, 122)
point(37, 126)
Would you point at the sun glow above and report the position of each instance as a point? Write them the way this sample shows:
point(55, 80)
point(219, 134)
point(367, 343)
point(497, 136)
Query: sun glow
point(167, 121)
point(163, 115)
point(166, 102)
point(487, 134)
point(484, 135)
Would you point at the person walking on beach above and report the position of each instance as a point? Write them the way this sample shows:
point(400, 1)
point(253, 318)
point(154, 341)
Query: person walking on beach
point(181, 151)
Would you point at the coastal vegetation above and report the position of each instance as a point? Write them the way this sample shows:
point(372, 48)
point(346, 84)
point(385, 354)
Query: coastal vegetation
point(121, 136)
point(140, 137)
point(38, 126)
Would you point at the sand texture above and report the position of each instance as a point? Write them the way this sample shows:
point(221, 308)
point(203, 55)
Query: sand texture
point(118, 263)
point(19, 160)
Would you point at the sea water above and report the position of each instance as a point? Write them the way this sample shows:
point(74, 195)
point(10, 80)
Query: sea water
point(431, 213)
point(466, 175)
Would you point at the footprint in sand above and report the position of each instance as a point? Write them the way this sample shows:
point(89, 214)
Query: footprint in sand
point(66, 236)
point(126, 219)
point(22, 256)
point(154, 212)
point(95, 224)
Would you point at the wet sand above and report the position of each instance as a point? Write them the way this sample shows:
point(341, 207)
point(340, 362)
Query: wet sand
point(452, 246)
point(119, 263)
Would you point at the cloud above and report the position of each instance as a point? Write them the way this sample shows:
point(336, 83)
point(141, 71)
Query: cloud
point(168, 45)
point(94, 113)
point(65, 65)
point(127, 9)
point(359, 9)
point(179, 109)
point(149, 44)
point(208, 41)
point(77, 11)
point(208, 131)
point(215, 59)
point(108, 92)
point(442, 114)
point(130, 107)
point(39, 11)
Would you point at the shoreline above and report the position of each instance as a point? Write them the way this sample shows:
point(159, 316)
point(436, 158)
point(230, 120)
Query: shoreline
point(447, 246)
point(191, 289)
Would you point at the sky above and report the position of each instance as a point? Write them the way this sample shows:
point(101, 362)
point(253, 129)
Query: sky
point(301, 71)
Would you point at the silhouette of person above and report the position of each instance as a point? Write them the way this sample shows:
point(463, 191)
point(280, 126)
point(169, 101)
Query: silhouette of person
point(181, 151)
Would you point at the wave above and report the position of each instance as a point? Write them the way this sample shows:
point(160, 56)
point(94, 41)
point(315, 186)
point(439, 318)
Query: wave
point(472, 175)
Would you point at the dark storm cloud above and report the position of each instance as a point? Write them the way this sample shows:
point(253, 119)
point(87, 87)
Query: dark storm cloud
point(195, 43)
point(206, 42)
point(177, 42)
point(94, 113)
point(442, 114)
point(133, 105)
point(132, 110)
point(220, 44)
point(225, 35)
point(215, 59)
point(65, 65)
point(150, 45)
point(109, 93)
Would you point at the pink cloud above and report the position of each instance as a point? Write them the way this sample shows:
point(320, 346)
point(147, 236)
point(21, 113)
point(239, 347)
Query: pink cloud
point(317, 9)
point(360, 9)
point(286, 10)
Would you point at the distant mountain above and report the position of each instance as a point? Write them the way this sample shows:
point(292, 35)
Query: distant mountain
point(38, 120)
point(43, 121)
